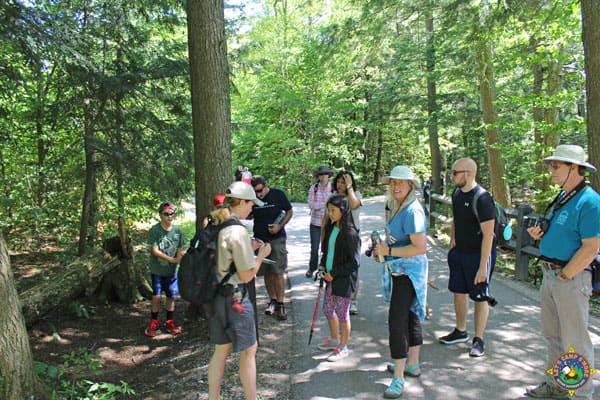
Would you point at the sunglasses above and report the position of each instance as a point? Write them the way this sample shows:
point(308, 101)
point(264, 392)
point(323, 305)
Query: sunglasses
point(454, 172)
point(167, 214)
point(257, 191)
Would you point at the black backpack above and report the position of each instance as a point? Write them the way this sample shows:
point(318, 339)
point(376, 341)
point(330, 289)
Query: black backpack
point(197, 275)
point(502, 228)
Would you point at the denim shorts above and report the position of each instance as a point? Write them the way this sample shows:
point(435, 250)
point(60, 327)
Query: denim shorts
point(166, 284)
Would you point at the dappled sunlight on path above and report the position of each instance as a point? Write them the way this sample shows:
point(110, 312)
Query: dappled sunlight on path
point(515, 350)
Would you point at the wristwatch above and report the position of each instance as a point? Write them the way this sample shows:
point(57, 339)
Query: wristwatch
point(348, 186)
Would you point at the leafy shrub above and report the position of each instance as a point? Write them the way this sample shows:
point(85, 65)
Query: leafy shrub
point(67, 379)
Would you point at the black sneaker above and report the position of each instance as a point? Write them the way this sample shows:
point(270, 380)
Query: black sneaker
point(477, 347)
point(455, 336)
point(309, 273)
point(281, 314)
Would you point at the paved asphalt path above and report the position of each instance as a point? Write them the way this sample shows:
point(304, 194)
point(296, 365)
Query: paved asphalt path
point(514, 349)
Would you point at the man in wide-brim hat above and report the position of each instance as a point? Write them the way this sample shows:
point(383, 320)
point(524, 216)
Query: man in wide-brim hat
point(568, 247)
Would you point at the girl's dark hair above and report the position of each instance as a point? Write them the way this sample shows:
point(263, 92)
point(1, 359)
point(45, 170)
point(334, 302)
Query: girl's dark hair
point(341, 175)
point(346, 222)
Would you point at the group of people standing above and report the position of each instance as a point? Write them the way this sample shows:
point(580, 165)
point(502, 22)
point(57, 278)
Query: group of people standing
point(568, 245)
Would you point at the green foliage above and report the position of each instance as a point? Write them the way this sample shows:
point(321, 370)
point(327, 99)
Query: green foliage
point(188, 227)
point(341, 83)
point(68, 381)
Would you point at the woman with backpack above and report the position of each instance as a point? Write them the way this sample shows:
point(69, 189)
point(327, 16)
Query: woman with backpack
point(318, 194)
point(231, 320)
point(339, 268)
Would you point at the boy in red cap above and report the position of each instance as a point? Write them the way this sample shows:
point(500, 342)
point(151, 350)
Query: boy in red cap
point(166, 249)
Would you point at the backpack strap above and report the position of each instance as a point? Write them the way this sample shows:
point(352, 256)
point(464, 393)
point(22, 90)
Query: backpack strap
point(225, 224)
point(478, 192)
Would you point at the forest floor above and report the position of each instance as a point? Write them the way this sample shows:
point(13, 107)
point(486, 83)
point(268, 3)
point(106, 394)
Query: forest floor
point(163, 367)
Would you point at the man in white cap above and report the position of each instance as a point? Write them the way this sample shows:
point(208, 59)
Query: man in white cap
point(472, 254)
point(568, 247)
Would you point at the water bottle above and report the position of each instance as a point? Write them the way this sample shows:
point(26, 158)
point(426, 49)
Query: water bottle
point(375, 240)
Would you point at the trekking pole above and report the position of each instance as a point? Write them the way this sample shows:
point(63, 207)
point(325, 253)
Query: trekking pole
point(314, 320)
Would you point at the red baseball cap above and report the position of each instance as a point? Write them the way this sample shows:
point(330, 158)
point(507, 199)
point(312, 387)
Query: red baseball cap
point(219, 200)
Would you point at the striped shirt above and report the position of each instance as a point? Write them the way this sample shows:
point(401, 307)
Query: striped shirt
point(317, 199)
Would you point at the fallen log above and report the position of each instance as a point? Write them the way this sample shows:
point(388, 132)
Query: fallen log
point(70, 283)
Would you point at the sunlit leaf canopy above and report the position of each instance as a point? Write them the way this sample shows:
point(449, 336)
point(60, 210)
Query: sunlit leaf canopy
point(342, 83)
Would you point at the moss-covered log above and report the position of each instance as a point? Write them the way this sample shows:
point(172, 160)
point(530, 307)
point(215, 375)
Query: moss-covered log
point(79, 278)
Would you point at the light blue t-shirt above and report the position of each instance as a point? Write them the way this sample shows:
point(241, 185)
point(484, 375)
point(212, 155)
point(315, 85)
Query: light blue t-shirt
point(408, 221)
point(331, 248)
point(578, 219)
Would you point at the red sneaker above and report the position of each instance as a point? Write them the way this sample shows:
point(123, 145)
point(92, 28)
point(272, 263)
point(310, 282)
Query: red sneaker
point(172, 328)
point(152, 328)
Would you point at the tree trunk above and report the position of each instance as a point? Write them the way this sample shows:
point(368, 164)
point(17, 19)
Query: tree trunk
point(87, 213)
point(377, 169)
point(545, 118)
point(492, 136)
point(432, 122)
point(18, 379)
point(590, 16)
point(79, 278)
point(211, 108)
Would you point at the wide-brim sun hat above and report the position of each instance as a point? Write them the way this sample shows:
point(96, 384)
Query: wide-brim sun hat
point(570, 153)
point(402, 172)
point(323, 169)
point(242, 190)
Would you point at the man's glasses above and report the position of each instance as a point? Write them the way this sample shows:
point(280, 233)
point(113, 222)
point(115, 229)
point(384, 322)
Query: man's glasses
point(454, 172)
point(167, 214)
point(258, 191)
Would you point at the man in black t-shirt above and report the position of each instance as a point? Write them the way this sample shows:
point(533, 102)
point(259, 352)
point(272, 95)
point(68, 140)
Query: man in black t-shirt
point(269, 223)
point(472, 255)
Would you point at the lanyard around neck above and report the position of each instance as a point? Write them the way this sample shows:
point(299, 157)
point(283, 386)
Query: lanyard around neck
point(560, 200)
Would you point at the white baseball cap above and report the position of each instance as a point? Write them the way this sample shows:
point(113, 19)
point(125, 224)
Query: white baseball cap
point(242, 190)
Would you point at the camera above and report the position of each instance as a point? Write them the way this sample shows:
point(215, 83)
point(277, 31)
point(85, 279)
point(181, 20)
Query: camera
point(530, 221)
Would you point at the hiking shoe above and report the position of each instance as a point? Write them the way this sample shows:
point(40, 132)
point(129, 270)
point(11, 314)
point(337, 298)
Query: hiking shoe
point(329, 344)
point(270, 310)
point(309, 273)
point(338, 353)
point(477, 347)
point(395, 389)
point(281, 314)
point(172, 328)
point(455, 336)
point(547, 391)
point(414, 371)
point(354, 307)
point(152, 328)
